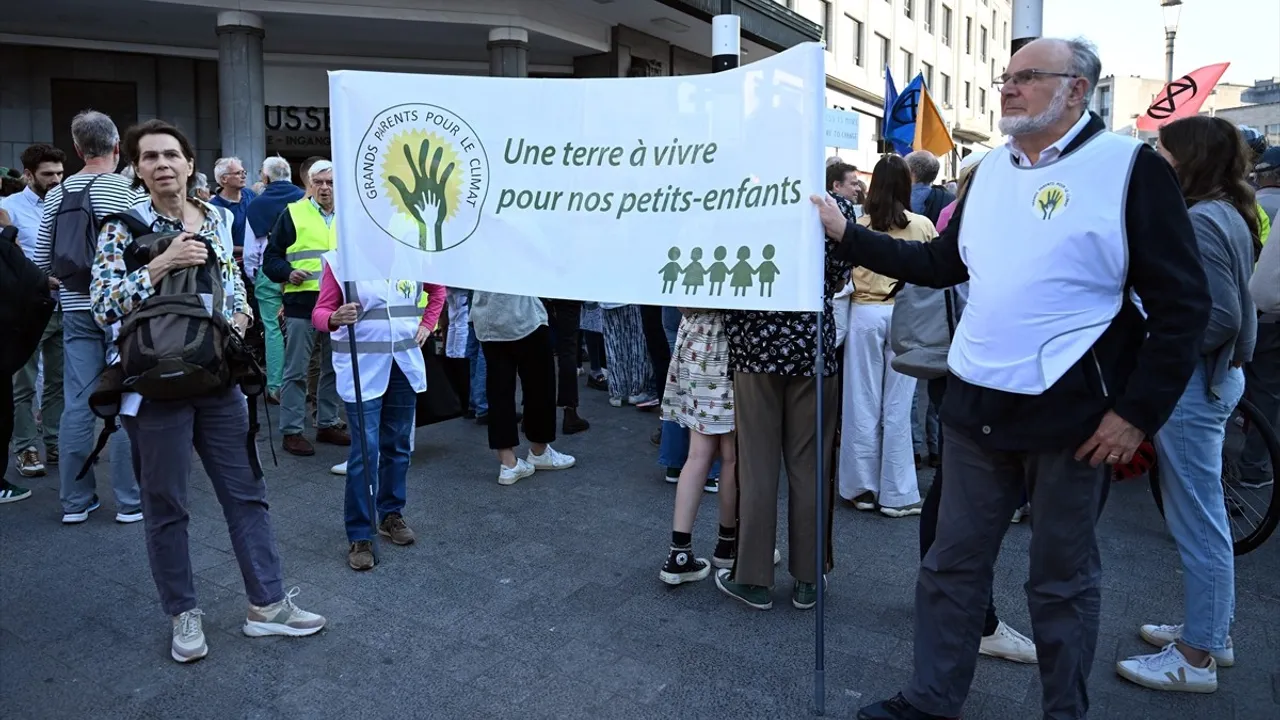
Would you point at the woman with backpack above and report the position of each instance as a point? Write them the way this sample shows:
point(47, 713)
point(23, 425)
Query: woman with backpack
point(128, 280)
point(876, 464)
point(1212, 164)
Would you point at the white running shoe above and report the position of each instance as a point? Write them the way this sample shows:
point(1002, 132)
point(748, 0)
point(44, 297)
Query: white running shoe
point(1161, 635)
point(282, 618)
point(550, 459)
point(1008, 644)
point(339, 469)
point(513, 475)
point(1169, 670)
point(188, 637)
point(126, 518)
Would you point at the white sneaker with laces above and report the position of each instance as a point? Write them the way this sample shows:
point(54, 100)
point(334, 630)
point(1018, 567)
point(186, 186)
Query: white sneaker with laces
point(339, 469)
point(188, 637)
point(1162, 635)
point(551, 459)
point(282, 618)
point(513, 475)
point(1169, 670)
point(1008, 644)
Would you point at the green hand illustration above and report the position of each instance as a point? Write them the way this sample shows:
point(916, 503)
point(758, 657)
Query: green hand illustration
point(1051, 200)
point(427, 201)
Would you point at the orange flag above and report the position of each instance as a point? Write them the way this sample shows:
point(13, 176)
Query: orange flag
point(931, 131)
point(1182, 97)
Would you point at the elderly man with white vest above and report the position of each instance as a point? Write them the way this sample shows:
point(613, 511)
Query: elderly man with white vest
point(391, 319)
point(1053, 373)
point(301, 236)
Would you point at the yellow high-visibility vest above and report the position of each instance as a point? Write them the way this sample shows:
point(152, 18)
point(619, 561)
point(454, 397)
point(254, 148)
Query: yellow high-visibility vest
point(314, 238)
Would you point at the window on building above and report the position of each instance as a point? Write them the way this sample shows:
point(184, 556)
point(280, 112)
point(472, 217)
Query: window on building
point(928, 15)
point(946, 88)
point(968, 94)
point(1273, 134)
point(1004, 38)
point(884, 53)
point(857, 39)
point(824, 18)
point(968, 36)
point(992, 121)
point(946, 26)
point(982, 44)
point(982, 101)
point(928, 75)
point(908, 8)
point(908, 66)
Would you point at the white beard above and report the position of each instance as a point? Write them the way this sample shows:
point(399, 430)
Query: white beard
point(1028, 125)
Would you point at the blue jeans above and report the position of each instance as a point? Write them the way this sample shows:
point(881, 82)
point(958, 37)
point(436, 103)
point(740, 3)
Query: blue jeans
point(1189, 450)
point(84, 355)
point(674, 448)
point(387, 425)
point(479, 401)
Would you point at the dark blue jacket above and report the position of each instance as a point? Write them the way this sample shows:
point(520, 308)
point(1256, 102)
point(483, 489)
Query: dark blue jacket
point(266, 208)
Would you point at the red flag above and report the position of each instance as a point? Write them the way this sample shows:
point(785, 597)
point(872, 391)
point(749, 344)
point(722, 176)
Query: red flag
point(1182, 97)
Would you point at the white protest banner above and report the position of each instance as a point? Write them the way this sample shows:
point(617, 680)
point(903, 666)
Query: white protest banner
point(686, 190)
point(840, 129)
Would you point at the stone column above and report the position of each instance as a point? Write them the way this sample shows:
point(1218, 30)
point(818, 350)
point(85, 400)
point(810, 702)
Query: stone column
point(241, 118)
point(509, 52)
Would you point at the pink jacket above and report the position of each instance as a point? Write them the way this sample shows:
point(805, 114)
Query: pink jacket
point(331, 299)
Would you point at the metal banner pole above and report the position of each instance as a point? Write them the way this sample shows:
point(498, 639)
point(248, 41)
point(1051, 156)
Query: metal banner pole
point(370, 473)
point(820, 627)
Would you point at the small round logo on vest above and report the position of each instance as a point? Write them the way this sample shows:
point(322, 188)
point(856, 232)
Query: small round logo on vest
point(423, 176)
point(1051, 199)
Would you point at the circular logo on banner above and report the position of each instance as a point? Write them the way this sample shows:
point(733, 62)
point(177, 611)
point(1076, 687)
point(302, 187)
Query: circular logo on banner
point(1051, 199)
point(423, 176)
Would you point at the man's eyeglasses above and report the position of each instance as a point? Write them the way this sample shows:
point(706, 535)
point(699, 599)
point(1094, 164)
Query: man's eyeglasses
point(1023, 78)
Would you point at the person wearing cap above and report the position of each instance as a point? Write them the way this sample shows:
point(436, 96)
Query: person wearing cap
point(1262, 373)
point(1054, 373)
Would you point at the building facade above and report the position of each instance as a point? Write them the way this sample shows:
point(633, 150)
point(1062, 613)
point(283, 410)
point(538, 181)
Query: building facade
point(253, 84)
point(1263, 92)
point(959, 46)
point(1265, 118)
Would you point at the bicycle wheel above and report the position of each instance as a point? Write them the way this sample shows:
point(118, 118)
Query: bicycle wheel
point(1253, 512)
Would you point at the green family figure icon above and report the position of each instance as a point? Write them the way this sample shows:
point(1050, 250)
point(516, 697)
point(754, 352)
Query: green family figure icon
point(741, 276)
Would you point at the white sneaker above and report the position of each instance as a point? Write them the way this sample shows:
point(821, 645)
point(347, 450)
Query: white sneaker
point(282, 618)
point(616, 401)
point(1169, 670)
point(1008, 644)
point(79, 517)
point(1020, 513)
point(1162, 635)
point(904, 511)
point(129, 517)
point(339, 469)
point(188, 637)
point(551, 459)
point(513, 475)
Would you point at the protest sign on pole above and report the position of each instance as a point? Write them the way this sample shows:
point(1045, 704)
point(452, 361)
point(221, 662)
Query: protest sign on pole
point(688, 190)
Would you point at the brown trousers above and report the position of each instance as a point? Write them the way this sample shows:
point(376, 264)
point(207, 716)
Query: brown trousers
point(776, 423)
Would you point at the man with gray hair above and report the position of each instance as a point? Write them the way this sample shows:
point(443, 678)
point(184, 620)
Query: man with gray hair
point(85, 345)
point(278, 192)
point(1054, 374)
point(230, 175)
point(926, 198)
point(305, 231)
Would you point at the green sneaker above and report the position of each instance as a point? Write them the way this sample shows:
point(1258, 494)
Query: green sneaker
point(12, 493)
point(757, 596)
point(804, 595)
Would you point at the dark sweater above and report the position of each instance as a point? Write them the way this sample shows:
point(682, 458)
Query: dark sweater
point(266, 208)
point(1142, 368)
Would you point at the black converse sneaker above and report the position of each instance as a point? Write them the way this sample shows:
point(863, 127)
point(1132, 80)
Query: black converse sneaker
point(683, 567)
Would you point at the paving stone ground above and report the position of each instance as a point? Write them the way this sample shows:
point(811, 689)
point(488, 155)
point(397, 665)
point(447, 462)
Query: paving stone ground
point(542, 600)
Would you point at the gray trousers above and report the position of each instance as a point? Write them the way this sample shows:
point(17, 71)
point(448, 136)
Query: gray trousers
point(954, 586)
point(775, 424)
point(300, 338)
point(163, 434)
point(1262, 388)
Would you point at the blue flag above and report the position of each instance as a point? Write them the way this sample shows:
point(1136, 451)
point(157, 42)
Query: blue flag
point(900, 118)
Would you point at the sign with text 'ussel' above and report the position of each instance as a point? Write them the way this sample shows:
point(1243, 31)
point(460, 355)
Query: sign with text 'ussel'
point(690, 191)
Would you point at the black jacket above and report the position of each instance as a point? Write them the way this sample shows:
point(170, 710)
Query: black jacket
point(276, 265)
point(1139, 369)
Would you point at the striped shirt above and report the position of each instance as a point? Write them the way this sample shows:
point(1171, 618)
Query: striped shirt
point(111, 194)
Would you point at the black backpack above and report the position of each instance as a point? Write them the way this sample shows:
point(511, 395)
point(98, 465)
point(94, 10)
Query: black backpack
point(937, 201)
point(25, 303)
point(75, 238)
point(174, 345)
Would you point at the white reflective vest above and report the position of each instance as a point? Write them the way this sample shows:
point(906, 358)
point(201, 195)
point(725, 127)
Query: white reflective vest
point(1048, 259)
point(385, 332)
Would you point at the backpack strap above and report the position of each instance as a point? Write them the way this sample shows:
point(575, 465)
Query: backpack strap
point(132, 220)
